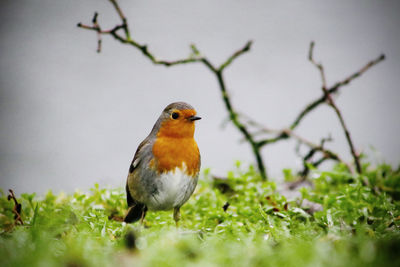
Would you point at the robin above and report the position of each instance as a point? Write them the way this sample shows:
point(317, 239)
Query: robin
point(164, 171)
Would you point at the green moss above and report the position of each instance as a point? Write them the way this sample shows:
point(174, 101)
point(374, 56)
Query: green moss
point(237, 221)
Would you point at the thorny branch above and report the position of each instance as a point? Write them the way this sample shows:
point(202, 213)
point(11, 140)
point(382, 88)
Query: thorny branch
point(17, 207)
point(241, 123)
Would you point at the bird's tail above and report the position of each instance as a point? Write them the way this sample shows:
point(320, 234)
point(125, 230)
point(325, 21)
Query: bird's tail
point(135, 213)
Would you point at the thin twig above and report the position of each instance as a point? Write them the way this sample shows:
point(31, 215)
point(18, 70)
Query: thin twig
point(290, 133)
point(241, 126)
point(17, 207)
point(332, 103)
point(232, 113)
point(314, 104)
point(246, 48)
point(126, 39)
point(307, 159)
point(143, 48)
point(319, 66)
point(98, 29)
point(310, 107)
point(306, 169)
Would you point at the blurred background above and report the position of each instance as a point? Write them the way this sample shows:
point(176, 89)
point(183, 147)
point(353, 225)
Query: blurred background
point(70, 117)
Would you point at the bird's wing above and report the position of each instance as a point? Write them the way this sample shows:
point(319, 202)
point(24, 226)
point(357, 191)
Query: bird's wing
point(129, 199)
point(136, 210)
point(138, 155)
point(137, 159)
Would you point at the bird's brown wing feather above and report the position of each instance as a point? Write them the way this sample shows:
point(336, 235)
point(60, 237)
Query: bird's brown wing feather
point(134, 164)
point(129, 199)
point(136, 159)
point(136, 209)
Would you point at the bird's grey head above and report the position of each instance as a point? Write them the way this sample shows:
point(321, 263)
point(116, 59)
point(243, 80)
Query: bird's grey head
point(177, 106)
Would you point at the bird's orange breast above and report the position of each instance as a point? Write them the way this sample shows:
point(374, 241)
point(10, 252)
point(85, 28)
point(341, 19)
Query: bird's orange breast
point(175, 147)
point(170, 153)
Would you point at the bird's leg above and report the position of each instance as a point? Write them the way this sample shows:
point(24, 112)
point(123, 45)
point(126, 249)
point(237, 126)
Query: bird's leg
point(144, 211)
point(177, 215)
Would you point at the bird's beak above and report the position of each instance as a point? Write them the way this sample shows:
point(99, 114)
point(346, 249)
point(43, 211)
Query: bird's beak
point(194, 118)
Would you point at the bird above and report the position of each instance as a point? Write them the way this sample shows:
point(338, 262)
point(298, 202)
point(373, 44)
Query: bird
point(164, 171)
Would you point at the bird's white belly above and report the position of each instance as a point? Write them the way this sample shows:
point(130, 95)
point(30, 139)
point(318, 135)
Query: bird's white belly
point(173, 189)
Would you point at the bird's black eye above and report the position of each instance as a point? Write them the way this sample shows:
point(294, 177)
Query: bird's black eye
point(175, 115)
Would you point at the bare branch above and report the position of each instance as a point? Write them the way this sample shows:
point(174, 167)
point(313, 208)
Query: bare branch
point(98, 29)
point(357, 74)
point(245, 49)
point(119, 10)
point(241, 126)
point(307, 159)
point(196, 57)
point(315, 163)
point(124, 24)
point(314, 104)
point(126, 39)
point(332, 103)
point(328, 154)
point(310, 107)
point(318, 65)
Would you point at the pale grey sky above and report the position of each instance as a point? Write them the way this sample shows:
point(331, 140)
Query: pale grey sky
point(71, 117)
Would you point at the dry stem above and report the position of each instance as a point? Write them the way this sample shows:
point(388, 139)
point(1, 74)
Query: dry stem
point(332, 103)
point(16, 209)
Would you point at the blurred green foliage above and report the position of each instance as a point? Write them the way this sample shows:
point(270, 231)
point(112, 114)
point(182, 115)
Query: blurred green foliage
point(239, 220)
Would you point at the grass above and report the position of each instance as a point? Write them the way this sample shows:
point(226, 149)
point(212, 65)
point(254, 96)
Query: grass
point(354, 225)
